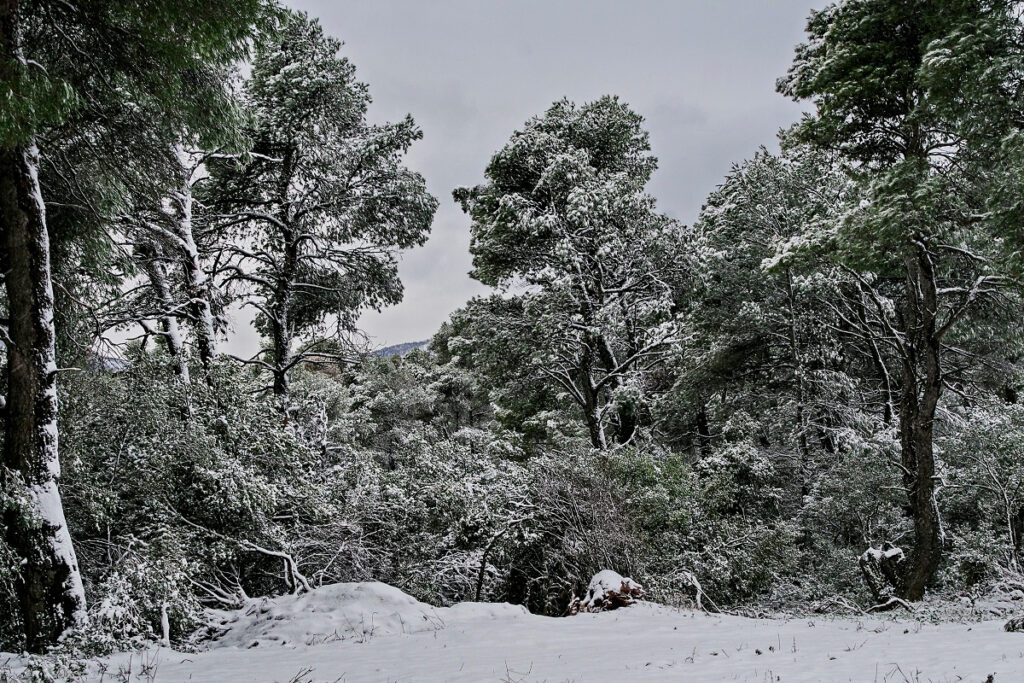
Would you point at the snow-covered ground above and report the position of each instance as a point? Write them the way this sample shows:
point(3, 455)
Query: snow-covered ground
point(373, 632)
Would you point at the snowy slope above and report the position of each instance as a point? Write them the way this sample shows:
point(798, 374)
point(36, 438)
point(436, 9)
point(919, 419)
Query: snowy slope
point(410, 641)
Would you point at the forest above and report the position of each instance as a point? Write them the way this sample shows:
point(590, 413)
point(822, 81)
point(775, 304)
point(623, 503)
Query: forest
point(807, 401)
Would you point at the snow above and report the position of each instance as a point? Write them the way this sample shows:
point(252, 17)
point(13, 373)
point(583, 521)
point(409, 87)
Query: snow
point(885, 553)
point(385, 635)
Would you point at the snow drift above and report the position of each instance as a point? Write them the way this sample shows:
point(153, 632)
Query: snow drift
point(342, 611)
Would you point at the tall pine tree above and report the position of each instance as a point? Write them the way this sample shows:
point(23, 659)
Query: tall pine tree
point(880, 74)
point(321, 206)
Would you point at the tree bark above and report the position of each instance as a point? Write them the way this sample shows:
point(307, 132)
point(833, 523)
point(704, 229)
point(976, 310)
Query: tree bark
point(625, 414)
point(920, 392)
point(591, 399)
point(592, 415)
point(284, 286)
point(49, 587)
point(281, 324)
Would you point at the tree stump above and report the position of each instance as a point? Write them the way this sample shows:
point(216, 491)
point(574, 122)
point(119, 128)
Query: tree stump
point(608, 590)
point(882, 570)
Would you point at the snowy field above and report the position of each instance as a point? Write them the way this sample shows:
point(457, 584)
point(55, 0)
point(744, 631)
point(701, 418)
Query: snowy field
point(373, 632)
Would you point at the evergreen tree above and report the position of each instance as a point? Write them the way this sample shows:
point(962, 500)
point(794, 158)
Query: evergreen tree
point(878, 73)
point(564, 213)
point(765, 348)
point(322, 204)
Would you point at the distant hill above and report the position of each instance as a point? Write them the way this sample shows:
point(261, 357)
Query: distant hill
point(401, 349)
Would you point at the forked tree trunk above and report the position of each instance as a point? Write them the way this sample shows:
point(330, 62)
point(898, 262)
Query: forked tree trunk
point(49, 586)
point(882, 569)
point(153, 259)
point(197, 282)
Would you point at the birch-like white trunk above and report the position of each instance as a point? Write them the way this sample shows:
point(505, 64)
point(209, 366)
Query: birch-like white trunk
point(197, 282)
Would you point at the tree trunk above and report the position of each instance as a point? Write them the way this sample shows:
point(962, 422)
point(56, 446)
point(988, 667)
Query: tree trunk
point(282, 350)
point(284, 286)
point(882, 569)
point(591, 399)
point(281, 325)
point(198, 287)
point(920, 393)
point(592, 416)
point(801, 393)
point(50, 586)
point(154, 263)
point(626, 421)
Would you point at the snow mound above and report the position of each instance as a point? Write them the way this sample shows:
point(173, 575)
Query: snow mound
point(341, 611)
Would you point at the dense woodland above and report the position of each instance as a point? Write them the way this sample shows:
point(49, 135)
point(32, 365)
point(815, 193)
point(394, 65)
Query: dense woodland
point(809, 396)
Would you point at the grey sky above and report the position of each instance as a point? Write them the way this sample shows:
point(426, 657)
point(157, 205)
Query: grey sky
point(702, 72)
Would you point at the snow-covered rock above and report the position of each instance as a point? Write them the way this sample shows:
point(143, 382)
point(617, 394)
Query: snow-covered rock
point(336, 612)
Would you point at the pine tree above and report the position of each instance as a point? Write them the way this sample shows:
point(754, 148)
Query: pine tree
point(564, 213)
point(763, 329)
point(879, 73)
point(322, 204)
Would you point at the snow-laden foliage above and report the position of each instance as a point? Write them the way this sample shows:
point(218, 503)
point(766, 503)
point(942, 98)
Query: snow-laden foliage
point(984, 495)
point(564, 215)
point(901, 112)
point(321, 204)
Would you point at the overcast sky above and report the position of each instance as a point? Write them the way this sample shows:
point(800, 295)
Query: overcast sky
point(702, 72)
